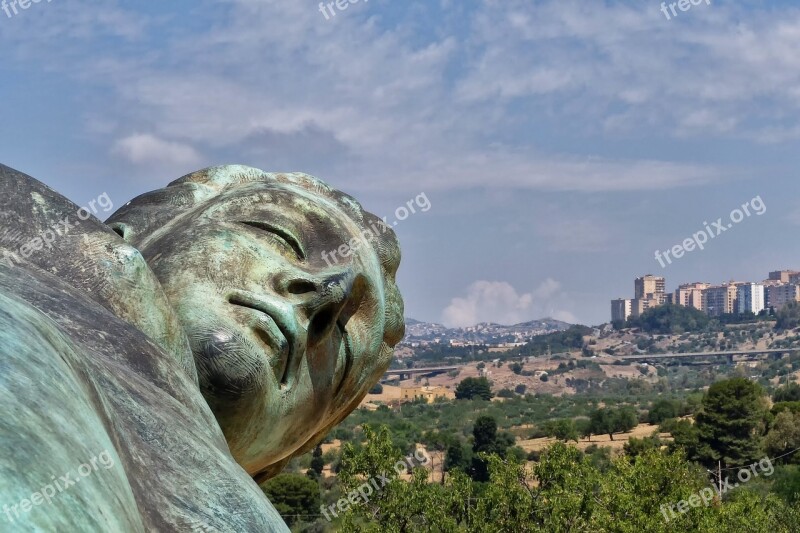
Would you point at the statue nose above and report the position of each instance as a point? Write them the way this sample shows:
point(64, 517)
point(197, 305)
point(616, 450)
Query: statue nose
point(324, 300)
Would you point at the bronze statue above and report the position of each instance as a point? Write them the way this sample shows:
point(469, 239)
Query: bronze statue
point(152, 367)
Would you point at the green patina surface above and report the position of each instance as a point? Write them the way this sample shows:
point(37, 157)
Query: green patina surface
point(197, 340)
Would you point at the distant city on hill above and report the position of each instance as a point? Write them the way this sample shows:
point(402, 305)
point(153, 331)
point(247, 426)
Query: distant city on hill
point(735, 297)
point(424, 333)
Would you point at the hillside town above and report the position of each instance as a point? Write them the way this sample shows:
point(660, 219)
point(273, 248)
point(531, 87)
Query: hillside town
point(733, 297)
point(421, 334)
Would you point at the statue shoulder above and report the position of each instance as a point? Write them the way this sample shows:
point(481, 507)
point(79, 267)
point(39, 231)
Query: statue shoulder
point(41, 229)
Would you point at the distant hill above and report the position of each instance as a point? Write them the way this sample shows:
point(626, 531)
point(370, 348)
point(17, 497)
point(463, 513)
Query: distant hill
point(484, 333)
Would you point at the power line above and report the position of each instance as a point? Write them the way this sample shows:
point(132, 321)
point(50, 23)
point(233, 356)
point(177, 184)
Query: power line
point(769, 459)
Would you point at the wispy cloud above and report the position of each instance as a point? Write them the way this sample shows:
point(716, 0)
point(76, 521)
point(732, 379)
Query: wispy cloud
point(149, 150)
point(378, 110)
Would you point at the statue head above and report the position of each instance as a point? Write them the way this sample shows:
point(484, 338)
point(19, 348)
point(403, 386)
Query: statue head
point(286, 291)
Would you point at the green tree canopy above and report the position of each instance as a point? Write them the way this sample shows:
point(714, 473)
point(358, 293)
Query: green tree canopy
point(470, 388)
point(731, 422)
point(788, 316)
point(788, 393)
point(564, 492)
point(609, 421)
point(294, 496)
point(784, 436)
point(670, 319)
point(563, 429)
point(663, 409)
point(317, 462)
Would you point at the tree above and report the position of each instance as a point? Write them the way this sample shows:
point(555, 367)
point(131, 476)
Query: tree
point(789, 393)
point(600, 422)
point(788, 316)
point(787, 484)
point(294, 496)
point(516, 368)
point(456, 458)
point(670, 319)
point(784, 435)
point(317, 462)
point(731, 423)
point(520, 389)
point(470, 388)
point(376, 389)
point(564, 492)
point(793, 407)
point(635, 447)
point(610, 421)
point(685, 437)
point(625, 419)
point(485, 440)
point(562, 429)
point(584, 428)
point(396, 505)
point(506, 393)
point(662, 410)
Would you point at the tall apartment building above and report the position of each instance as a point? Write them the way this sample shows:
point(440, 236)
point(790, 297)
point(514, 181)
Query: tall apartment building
point(750, 298)
point(690, 295)
point(620, 309)
point(720, 299)
point(783, 276)
point(767, 283)
point(777, 296)
point(649, 291)
point(640, 305)
point(650, 287)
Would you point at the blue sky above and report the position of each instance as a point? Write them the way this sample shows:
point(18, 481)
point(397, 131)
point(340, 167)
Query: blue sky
point(560, 143)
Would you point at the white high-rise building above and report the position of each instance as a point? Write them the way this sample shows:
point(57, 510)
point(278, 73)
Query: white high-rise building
point(751, 298)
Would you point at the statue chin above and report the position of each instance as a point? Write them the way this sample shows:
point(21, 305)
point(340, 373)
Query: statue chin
point(198, 340)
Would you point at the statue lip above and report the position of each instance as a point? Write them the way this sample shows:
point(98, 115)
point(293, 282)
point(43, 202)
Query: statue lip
point(277, 328)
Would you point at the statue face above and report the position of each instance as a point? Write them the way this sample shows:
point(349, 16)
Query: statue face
point(281, 336)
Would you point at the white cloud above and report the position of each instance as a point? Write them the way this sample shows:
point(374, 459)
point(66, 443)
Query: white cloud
point(405, 114)
point(719, 71)
point(146, 149)
point(499, 302)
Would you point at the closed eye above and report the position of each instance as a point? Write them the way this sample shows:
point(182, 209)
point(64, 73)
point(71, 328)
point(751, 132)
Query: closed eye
point(283, 235)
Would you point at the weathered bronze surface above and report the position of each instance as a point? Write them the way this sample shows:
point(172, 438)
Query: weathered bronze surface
point(153, 366)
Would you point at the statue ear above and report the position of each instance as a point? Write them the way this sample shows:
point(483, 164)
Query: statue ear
point(153, 212)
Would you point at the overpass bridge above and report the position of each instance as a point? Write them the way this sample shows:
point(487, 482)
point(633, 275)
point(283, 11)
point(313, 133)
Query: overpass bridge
point(730, 355)
point(406, 373)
